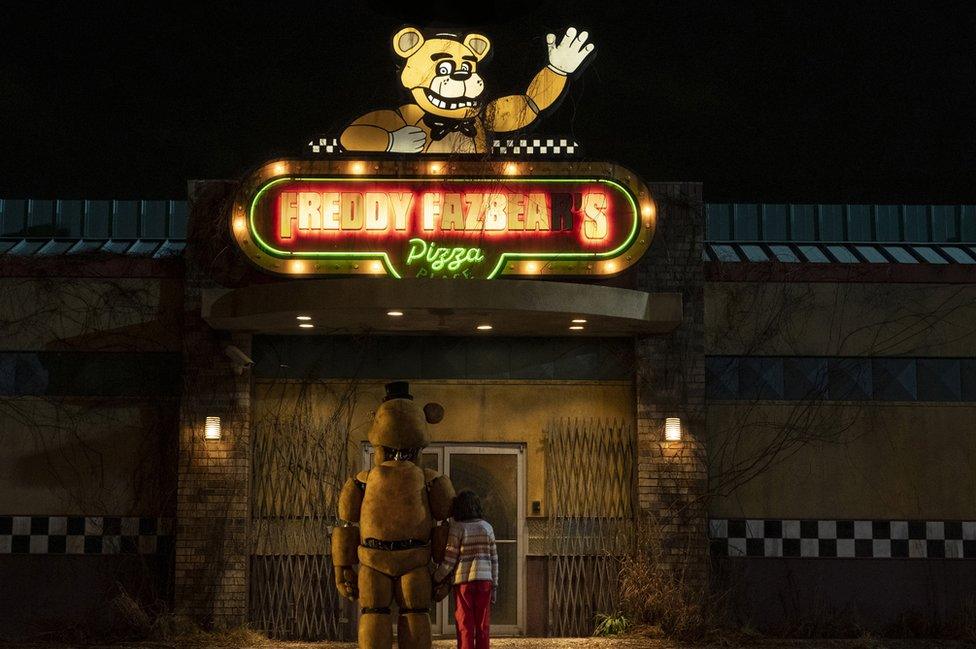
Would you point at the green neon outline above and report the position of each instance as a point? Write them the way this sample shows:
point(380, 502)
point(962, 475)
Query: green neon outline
point(351, 255)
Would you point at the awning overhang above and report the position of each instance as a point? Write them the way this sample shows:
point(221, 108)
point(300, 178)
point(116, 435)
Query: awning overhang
point(511, 307)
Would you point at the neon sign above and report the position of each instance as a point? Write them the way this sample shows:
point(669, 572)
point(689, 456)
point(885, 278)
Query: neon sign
point(468, 220)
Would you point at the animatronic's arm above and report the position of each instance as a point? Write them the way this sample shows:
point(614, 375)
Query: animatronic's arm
point(518, 111)
point(382, 130)
point(440, 493)
point(345, 539)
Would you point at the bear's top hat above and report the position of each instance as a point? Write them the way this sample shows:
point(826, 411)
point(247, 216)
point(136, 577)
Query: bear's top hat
point(398, 390)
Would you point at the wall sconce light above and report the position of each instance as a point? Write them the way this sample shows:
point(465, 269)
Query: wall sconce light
point(212, 429)
point(672, 429)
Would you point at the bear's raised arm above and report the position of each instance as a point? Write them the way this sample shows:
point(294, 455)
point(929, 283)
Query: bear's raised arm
point(565, 58)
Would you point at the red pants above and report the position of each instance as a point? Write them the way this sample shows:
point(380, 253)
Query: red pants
point(472, 613)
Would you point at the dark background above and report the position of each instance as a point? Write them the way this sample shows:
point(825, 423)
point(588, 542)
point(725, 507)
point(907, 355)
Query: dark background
point(762, 101)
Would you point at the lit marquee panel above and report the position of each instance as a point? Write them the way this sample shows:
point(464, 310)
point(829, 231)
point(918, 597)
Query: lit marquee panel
point(468, 220)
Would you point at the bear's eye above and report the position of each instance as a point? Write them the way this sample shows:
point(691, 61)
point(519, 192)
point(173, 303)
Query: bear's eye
point(465, 67)
point(444, 68)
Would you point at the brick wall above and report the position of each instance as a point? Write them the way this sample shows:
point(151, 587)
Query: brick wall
point(213, 500)
point(671, 383)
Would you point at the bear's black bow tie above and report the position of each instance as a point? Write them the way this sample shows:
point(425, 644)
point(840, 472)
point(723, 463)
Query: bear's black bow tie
point(441, 126)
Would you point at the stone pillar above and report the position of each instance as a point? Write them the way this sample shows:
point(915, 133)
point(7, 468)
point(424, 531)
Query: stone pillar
point(213, 497)
point(670, 382)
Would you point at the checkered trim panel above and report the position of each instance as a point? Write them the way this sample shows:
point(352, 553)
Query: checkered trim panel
point(841, 539)
point(85, 535)
point(538, 146)
point(324, 145)
point(535, 147)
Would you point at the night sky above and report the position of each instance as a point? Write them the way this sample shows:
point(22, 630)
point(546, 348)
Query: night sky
point(774, 101)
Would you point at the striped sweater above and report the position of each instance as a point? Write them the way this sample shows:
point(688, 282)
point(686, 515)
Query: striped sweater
point(470, 554)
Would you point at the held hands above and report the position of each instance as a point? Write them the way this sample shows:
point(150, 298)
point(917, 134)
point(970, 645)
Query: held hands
point(566, 57)
point(441, 590)
point(409, 139)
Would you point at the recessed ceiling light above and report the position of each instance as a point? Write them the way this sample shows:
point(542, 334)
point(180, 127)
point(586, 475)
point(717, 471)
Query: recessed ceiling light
point(306, 325)
point(579, 321)
point(484, 327)
point(394, 313)
point(576, 327)
point(303, 318)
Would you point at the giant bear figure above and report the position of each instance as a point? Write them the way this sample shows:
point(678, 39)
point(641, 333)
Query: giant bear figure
point(397, 505)
point(448, 113)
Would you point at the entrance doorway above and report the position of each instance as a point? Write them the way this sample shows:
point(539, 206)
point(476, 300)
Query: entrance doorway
point(496, 472)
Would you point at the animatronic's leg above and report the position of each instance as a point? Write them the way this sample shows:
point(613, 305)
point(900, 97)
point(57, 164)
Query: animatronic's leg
point(413, 598)
point(375, 597)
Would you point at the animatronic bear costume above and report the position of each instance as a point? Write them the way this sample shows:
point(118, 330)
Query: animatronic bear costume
point(448, 114)
point(396, 505)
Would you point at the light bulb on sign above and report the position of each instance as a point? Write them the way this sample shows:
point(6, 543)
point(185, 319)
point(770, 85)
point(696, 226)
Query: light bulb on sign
point(511, 168)
point(240, 225)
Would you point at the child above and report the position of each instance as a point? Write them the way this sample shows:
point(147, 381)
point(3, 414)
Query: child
point(472, 559)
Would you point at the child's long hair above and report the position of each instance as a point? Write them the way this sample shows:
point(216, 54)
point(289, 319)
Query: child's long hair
point(466, 506)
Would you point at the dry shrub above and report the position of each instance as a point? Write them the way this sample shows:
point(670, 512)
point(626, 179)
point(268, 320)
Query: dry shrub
point(657, 592)
point(179, 631)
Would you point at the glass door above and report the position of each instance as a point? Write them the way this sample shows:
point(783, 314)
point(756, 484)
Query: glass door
point(497, 474)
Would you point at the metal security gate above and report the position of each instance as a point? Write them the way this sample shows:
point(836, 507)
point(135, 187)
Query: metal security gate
point(590, 491)
point(299, 464)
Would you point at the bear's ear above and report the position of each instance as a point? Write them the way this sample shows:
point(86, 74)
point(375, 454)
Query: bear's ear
point(478, 44)
point(434, 413)
point(407, 41)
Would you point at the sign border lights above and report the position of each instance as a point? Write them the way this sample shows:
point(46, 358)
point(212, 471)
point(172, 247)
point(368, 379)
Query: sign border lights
point(580, 263)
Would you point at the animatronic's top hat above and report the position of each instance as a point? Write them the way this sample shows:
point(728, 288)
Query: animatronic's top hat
point(398, 390)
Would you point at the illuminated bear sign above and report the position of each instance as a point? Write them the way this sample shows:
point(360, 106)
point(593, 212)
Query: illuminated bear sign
point(448, 113)
point(481, 220)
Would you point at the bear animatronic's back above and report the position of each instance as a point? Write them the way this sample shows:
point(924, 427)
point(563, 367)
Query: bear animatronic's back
point(395, 505)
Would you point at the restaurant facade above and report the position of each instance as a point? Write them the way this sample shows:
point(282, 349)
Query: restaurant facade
point(774, 401)
point(775, 398)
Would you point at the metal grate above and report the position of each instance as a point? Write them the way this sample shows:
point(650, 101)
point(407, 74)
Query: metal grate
point(590, 468)
point(299, 464)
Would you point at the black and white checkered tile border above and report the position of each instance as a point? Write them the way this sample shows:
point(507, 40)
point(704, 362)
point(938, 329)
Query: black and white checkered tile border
point(838, 539)
point(84, 535)
point(325, 145)
point(535, 146)
point(549, 146)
